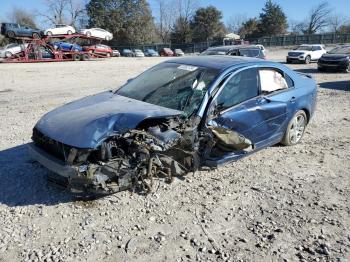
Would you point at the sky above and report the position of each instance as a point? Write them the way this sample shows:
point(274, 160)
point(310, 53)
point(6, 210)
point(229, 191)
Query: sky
point(294, 9)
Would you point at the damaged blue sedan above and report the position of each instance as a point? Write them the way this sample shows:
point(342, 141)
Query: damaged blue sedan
point(175, 118)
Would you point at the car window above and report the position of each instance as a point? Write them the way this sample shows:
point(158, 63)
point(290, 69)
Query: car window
point(241, 87)
point(289, 81)
point(271, 81)
point(316, 48)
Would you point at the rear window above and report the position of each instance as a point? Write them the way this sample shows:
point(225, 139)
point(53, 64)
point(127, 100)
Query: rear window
point(271, 81)
point(249, 52)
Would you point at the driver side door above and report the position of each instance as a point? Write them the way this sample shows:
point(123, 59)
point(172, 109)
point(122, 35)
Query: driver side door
point(242, 108)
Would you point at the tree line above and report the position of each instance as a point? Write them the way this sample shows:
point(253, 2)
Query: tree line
point(177, 21)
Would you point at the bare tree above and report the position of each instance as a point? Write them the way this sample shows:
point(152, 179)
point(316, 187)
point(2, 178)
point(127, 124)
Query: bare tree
point(22, 17)
point(336, 21)
point(236, 22)
point(296, 27)
point(166, 19)
point(63, 11)
point(318, 19)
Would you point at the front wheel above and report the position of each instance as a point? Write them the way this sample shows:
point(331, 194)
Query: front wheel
point(307, 60)
point(8, 54)
point(295, 129)
point(36, 36)
point(11, 34)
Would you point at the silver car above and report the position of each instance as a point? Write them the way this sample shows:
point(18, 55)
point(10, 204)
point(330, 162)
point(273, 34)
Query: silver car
point(11, 49)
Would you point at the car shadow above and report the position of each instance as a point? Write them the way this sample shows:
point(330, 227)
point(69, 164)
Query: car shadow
point(336, 85)
point(23, 182)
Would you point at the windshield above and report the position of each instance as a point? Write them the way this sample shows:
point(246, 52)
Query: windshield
point(340, 50)
point(170, 85)
point(304, 48)
point(249, 52)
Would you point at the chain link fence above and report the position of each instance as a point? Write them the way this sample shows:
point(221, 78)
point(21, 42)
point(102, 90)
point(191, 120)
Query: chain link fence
point(274, 41)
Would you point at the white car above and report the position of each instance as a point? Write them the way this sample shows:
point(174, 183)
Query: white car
point(138, 53)
point(97, 32)
point(306, 53)
point(12, 49)
point(60, 30)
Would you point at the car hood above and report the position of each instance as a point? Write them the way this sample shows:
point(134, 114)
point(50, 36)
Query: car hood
point(335, 56)
point(87, 122)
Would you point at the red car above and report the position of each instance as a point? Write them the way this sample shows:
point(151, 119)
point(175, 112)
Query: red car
point(99, 49)
point(166, 52)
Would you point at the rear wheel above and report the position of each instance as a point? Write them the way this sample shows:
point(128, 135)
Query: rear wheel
point(307, 60)
point(69, 32)
point(295, 129)
point(11, 34)
point(49, 33)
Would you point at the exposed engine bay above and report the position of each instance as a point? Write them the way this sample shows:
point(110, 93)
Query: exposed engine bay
point(158, 148)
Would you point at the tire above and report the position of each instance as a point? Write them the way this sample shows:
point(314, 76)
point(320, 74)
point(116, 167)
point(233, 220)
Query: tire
point(288, 61)
point(347, 69)
point(76, 57)
point(36, 36)
point(108, 55)
point(8, 54)
point(69, 32)
point(85, 57)
point(295, 129)
point(49, 33)
point(307, 60)
point(11, 34)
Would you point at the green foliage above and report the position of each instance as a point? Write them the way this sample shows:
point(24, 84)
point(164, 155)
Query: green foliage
point(207, 24)
point(130, 21)
point(181, 32)
point(272, 21)
point(249, 27)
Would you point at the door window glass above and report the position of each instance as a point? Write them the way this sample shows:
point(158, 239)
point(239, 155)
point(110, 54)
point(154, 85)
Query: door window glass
point(271, 80)
point(238, 89)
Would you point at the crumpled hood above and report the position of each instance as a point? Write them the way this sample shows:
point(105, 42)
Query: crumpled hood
point(85, 123)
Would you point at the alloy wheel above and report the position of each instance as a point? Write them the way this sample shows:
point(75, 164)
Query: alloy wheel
point(297, 129)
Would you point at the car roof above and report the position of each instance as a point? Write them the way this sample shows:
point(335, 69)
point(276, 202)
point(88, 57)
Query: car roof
point(231, 47)
point(218, 62)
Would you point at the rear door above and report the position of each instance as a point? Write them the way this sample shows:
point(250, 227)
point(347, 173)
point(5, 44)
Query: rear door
point(242, 108)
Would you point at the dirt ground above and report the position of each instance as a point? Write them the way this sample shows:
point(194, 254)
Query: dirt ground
point(280, 204)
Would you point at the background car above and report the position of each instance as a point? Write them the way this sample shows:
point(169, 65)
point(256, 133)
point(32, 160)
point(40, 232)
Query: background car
point(138, 53)
point(99, 49)
point(151, 53)
point(166, 52)
point(178, 52)
point(60, 30)
point(11, 49)
point(236, 50)
point(97, 32)
point(116, 53)
point(15, 30)
point(64, 46)
point(336, 59)
point(306, 53)
point(127, 53)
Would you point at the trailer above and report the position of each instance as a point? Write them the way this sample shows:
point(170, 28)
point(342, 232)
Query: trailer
point(43, 50)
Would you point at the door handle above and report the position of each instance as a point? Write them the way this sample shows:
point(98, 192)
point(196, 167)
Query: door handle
point(293, 99)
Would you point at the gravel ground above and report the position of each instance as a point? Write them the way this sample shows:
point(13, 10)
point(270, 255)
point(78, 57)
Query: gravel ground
point(280, 204)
